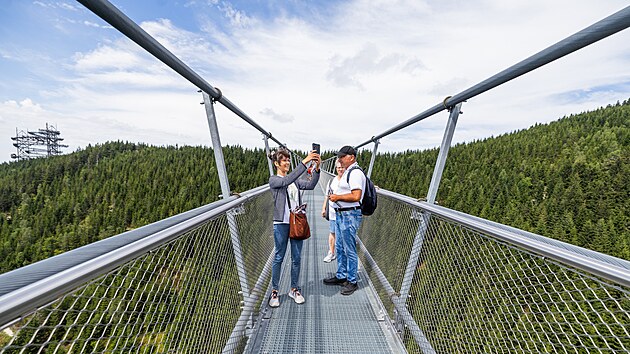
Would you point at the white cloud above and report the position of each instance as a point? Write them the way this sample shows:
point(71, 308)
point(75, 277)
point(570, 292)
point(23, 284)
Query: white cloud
point(95, 25)
point(43, 4)
point(26, 105)
point(56, 5)
point(122, 64)
point(120, 56)
point(282, 118)
point(236, 17)
point(348, 71)
point(67, 6)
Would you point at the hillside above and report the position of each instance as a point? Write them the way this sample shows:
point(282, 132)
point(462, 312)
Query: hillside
point(569, 180)
point(566, 180)
point(56, 204)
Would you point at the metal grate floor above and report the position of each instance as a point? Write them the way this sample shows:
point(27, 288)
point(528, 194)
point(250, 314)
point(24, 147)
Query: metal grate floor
point(328, 321)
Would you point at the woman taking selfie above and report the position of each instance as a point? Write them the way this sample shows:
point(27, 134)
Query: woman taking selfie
point(285, 188)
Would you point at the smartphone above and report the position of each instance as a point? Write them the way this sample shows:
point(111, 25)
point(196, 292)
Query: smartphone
point(315, 147)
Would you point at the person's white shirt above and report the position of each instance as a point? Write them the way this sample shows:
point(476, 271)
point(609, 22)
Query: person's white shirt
point(292, 193)
point(332, 188)
point(357, 181)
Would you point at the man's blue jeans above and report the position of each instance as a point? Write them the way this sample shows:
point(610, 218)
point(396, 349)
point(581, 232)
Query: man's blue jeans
point(281, 238)
point(348, 223)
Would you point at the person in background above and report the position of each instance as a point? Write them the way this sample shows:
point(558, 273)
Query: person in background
point(332, 187)
point(348, 219)
point(285, 188)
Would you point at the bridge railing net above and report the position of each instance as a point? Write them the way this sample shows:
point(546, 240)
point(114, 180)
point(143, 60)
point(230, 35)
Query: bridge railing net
point(471, 292)
point(182, 297)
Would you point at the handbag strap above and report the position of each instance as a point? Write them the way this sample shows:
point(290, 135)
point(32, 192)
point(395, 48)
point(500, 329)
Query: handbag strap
point(299, 197)
point(288, 201)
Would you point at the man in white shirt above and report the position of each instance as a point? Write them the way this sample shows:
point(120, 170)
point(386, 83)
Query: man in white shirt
point(346, 201)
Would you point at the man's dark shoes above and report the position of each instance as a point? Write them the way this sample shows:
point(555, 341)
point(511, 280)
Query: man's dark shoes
point(349, 288)
point(334, 281)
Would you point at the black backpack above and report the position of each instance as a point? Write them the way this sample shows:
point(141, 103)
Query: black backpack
point(368, 202)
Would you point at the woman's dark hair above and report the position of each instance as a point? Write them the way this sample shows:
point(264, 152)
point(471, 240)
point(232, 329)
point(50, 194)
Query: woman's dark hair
point(278, 154)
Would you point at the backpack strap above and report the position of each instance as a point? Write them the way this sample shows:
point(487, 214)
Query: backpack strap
point(348, 181)
point(352, 169)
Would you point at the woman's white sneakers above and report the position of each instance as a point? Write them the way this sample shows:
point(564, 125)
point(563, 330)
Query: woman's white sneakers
point(329, 257)
point(297, 296)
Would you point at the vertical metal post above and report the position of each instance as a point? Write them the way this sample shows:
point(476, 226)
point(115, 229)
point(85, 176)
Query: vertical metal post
point(332, 168)
point(376, 142)
point(216, 146)
point(399, 324)
point(325, 164)
point(443, 154)
point(414, 255)
point(225, 190)
point(267, 152)
point(424, 220)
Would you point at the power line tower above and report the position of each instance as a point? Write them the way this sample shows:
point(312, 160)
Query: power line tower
point(40, 143)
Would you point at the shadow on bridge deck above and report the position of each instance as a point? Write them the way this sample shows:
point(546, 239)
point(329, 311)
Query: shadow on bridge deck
point(328, 321)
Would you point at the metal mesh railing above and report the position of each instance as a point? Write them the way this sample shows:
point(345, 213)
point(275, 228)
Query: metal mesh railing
point(469, 291)
point(183, 296)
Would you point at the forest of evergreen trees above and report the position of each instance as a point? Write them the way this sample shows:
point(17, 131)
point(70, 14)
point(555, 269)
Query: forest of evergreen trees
point(566, 180)
point(50, 206)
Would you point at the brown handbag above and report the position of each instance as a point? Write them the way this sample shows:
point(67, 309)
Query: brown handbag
point(298, 224)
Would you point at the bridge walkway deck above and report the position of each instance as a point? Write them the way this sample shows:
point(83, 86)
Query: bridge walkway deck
point(327, 322)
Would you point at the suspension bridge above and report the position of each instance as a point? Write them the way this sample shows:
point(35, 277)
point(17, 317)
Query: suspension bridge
point(431, 279)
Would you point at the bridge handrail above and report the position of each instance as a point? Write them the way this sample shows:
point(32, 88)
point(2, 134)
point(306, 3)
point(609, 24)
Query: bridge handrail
point(618, 262)
point(608, 267)
point(599, 30)
point(110, 14)
point(18, 278)
point(34, 286)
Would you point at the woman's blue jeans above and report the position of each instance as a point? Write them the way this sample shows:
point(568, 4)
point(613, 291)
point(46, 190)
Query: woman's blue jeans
point(281, 238)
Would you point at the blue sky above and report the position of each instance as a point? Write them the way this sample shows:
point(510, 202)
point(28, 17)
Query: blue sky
point(335, 72)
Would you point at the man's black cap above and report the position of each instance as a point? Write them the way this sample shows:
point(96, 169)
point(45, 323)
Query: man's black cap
point(346, 150)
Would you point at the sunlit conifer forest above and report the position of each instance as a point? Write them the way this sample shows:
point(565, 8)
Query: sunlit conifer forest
point(568, 180)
